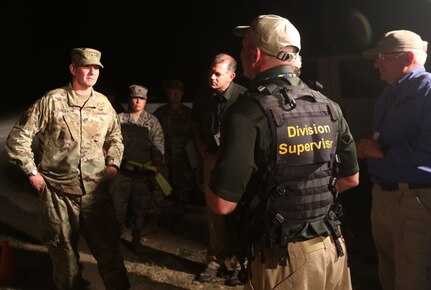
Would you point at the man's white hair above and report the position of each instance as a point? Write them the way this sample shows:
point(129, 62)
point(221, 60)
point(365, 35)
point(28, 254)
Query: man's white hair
point(420, 56)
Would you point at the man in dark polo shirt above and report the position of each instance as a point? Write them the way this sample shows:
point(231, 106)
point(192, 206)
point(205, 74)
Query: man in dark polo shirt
point(207, 114)
point(249, 152)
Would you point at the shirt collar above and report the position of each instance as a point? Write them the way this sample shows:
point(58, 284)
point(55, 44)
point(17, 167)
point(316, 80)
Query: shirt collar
point(409, 76)
point(285, 71)
point(226, 95)
point(77, 101)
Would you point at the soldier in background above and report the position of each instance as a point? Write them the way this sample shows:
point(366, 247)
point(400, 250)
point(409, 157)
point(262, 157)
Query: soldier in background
point(134, 185)
point(73, 124)
point(175, 118)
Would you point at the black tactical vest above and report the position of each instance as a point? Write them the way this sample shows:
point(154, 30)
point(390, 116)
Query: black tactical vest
point(295, 182)
point(137, 140)
point(304, 126)
point(298, 171)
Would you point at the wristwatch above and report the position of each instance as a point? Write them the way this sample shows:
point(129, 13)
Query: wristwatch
point(34, 172)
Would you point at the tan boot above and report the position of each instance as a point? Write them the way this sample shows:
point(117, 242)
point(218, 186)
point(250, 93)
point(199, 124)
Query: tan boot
point(210, 273)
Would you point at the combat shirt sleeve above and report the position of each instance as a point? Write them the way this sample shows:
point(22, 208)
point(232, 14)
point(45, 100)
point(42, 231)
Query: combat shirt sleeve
point(114, 142)
point(19, 141)
point(157, 138)
point(236, 158)
point(346, 148)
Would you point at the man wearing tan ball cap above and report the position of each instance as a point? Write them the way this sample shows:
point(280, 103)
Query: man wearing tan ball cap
point(280, 204)
point(397, 41)
point(399, 161)
point(271, 34)
point(86, 56)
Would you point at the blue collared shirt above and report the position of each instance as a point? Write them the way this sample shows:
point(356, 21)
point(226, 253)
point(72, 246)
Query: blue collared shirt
point(402, 118)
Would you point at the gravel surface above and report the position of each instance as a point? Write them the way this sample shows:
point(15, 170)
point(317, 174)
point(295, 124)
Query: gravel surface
point(171, 261)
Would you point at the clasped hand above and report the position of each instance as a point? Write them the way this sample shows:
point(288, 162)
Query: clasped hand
point(369, 148)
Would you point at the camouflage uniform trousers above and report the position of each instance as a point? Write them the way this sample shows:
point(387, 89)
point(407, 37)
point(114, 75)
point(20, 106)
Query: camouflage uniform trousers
point(134, 192)
point(63, 217)
point(181, 180)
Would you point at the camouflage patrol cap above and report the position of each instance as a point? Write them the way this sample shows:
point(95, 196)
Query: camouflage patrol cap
point(174, 84)
point(85, 56)
point(137, 91)
point(271, 33)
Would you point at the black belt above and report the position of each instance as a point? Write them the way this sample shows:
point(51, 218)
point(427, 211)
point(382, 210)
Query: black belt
point(137, 172)
point(396, 186)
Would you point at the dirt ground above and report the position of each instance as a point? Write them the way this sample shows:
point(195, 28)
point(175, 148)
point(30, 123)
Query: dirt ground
point(171, 261)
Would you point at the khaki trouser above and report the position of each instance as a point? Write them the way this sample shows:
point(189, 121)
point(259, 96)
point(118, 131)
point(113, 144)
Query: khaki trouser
point(218, 249)
point(313, 265)
point(401, 227)
point(62, 218)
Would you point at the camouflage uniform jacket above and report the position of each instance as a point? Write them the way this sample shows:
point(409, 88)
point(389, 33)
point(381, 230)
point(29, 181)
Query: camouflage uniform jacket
point(72, 138)
point(143, 138)
point(176, 126)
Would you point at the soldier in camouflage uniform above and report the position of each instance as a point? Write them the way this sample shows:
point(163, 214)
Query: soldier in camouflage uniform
point(80, 150)
point(175, 118)
point(133, 187)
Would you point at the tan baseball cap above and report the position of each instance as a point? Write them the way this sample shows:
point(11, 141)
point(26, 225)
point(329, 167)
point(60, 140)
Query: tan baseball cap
point(397, 41)
point(137, 91)
point(86, 56)
point(271, 33)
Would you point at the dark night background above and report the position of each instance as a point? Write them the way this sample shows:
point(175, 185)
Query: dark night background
point(147, 42)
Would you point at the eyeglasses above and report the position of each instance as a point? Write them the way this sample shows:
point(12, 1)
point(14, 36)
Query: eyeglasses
point(388, 55)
